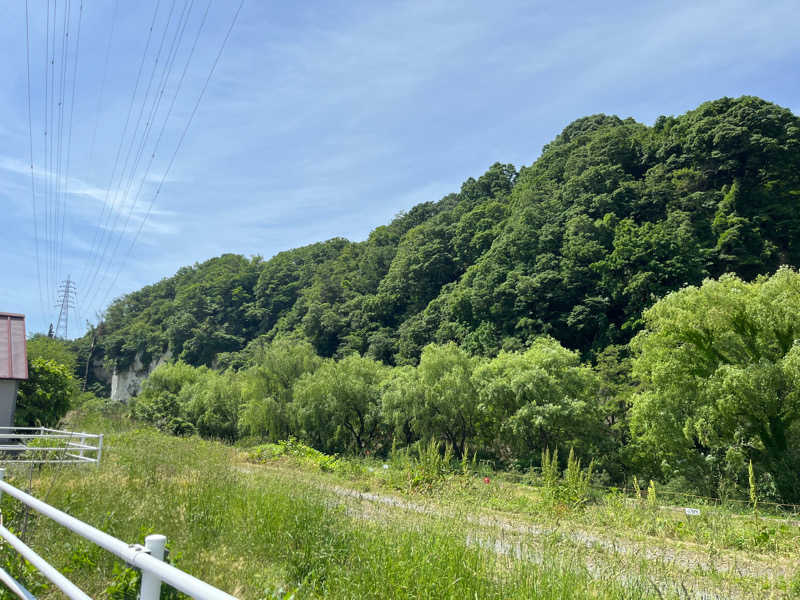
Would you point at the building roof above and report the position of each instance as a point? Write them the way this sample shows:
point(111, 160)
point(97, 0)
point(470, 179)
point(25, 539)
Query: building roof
point(13, 347)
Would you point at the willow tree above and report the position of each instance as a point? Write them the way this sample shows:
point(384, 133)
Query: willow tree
point(438, 400)
point(543, 398)
point(267, 385)
point(719, 367)
point(338, 406)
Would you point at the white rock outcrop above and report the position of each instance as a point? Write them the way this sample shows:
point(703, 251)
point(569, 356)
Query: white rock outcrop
point(126, 384)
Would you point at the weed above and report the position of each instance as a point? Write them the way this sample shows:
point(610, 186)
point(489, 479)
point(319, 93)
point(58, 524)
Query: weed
point(751, 479)
point(652, 500)
point(292, 447)
point(574, 487)
point(577, 482)
point(273, 533)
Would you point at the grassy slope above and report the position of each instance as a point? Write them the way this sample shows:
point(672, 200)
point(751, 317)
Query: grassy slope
point(257, 530)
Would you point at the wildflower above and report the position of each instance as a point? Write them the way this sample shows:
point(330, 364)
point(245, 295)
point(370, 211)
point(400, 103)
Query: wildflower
point(486, 480)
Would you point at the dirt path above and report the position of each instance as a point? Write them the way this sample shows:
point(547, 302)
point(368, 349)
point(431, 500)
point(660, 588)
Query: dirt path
point(684, 569)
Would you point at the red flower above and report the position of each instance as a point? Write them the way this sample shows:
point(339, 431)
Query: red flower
point(486, 480)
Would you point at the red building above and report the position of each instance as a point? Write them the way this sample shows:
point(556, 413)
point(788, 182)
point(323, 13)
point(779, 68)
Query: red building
point(13, 364)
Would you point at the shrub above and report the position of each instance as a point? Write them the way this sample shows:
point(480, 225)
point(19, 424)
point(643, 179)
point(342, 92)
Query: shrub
point(45, 397)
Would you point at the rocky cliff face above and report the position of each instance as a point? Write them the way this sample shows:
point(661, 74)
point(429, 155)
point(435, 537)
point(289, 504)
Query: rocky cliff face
point(126, 384)
point(101, 373)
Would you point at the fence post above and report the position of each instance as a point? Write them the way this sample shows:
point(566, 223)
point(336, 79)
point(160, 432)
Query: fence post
point(99, 453)
point(151, 585)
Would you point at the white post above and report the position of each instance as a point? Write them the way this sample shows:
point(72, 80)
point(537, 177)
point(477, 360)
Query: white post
point(151, 585)
point(99, 449)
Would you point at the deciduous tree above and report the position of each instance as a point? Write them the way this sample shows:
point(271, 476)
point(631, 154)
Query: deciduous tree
point(719, 366)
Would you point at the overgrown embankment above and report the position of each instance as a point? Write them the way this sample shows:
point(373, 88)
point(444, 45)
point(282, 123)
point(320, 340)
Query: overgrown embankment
point(269, 532)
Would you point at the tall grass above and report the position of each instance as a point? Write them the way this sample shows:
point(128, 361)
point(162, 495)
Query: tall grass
point(552, 496)
point(274, 536)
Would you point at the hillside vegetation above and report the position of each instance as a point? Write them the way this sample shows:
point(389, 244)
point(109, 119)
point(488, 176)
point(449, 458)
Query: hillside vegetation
point(535, 310)
point(612, 215)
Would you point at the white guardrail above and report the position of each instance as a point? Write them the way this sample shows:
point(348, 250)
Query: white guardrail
point(42, 445)
point(148, 558)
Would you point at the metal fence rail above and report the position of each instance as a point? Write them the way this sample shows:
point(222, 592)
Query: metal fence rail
point(148, 558)
point(42, 445)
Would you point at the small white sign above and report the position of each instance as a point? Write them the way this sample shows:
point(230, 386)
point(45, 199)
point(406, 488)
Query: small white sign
point(694, 512)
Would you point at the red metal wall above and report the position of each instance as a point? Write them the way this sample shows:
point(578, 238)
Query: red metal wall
point(13, 348)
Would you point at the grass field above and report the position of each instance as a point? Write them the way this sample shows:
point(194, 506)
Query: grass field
point(282, 524)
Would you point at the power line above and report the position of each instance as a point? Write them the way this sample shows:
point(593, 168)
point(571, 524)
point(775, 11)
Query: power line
point(30, 144)
point(163, 81)
point(59, 184)
point(106, 265)
point(51, 159)
point(45, 153)
point(111, 226)
point(101, 232)
point(121, 189)
point(131, 168)
point(69, 132)
point(180, 143)
point(103, 79)
point(160, 135)
point(51, 148)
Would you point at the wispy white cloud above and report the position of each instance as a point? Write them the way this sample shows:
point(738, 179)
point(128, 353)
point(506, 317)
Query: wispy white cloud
point(121, 209)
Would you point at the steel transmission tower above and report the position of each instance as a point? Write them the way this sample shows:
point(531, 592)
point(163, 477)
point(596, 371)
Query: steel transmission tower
point(66, 294)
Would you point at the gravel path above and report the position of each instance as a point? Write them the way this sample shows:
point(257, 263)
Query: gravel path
point(686, 558)
point(684, 569)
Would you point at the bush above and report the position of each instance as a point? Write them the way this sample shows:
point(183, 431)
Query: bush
point(45, 397)
point(158, 401)
point(293, 448)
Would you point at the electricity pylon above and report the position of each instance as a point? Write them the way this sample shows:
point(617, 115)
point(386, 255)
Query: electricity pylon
point(66, 294)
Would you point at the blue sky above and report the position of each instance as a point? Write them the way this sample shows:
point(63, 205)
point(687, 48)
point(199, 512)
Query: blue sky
point(322, 119)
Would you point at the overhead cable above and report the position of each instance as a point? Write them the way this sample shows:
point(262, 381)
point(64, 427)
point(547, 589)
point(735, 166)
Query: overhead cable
point(65, 191)
point(33, 177)
point(59, 184)
point(120, 191)
point(106, 210)
point(178, 147)
point(103, 79)
point(151, 120)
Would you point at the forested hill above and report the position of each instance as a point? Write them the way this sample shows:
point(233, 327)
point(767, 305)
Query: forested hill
point(613, 215)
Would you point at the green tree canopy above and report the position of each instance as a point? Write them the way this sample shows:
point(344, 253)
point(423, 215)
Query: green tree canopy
point(47, 348)
point(613, 215)
point(538, 399)
point(267, 387)
point(159, 401)
point(437, 400)
point(720, 381)
point(338, 405)
point(212, 403)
